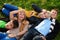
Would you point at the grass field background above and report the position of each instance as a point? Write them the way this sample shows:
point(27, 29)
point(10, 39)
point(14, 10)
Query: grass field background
point(26, 4)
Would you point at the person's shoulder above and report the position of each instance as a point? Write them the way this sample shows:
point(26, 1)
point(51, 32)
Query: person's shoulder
point(57, 21)
point(42, 19)
point(33, 17)
point(26, 22)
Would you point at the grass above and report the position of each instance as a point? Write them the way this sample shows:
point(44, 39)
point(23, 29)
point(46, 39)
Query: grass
point(27, 5)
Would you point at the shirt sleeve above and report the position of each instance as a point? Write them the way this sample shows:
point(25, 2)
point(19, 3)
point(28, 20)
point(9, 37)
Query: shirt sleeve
point(2, 24)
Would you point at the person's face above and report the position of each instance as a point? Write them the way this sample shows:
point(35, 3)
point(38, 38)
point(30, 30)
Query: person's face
point(41, 15)
point(9, 25)
point(53, 14)
point(45, 13)
point(21, 15)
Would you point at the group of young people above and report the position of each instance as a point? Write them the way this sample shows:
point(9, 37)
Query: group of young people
point(42, 26)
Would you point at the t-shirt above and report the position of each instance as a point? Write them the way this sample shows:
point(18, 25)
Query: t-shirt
point(2, 24)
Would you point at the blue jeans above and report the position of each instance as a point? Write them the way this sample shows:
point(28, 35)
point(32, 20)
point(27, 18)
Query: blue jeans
point(7, 38)
point(31, 34)
point(4, 36)
point(5, 11)
point(8, 8)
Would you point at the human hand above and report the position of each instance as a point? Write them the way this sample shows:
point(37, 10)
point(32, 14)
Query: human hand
point(12, 35)
point(43, 37)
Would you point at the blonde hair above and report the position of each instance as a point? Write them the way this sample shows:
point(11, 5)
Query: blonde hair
point(24, 21)
point(49, 14)
point(23, 25)
point(55, 9)
point(22, 10)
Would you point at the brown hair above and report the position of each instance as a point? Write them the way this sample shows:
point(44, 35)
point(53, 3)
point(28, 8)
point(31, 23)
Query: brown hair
point(15, 23)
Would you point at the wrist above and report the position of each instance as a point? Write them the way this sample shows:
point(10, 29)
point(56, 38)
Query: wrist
point(16, 35)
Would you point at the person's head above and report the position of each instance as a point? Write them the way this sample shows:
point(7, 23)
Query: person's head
point(48, 14)
point(41, 15)
point(44, 14)
point(21, 15)
point(12, 24)
point(53, 13)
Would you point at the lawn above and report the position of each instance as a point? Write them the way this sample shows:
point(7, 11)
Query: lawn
point(26, 4)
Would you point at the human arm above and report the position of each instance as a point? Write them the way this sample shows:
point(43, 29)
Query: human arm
point(22, 32)
point(25, 28)
point(12, 14)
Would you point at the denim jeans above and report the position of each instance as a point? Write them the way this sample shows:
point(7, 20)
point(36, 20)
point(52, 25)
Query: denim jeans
point(4, 36)
point(30, 34)
point(8, 8)
point(5, 11)
point(8, 38)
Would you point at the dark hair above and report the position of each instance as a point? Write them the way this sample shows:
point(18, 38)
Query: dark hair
point(15, 23)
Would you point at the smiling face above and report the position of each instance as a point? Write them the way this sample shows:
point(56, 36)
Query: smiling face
point(45, 13)
point(12, 24)
point(9, 25)
point(21, 15)
point(53, 14)
point(41, 15)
